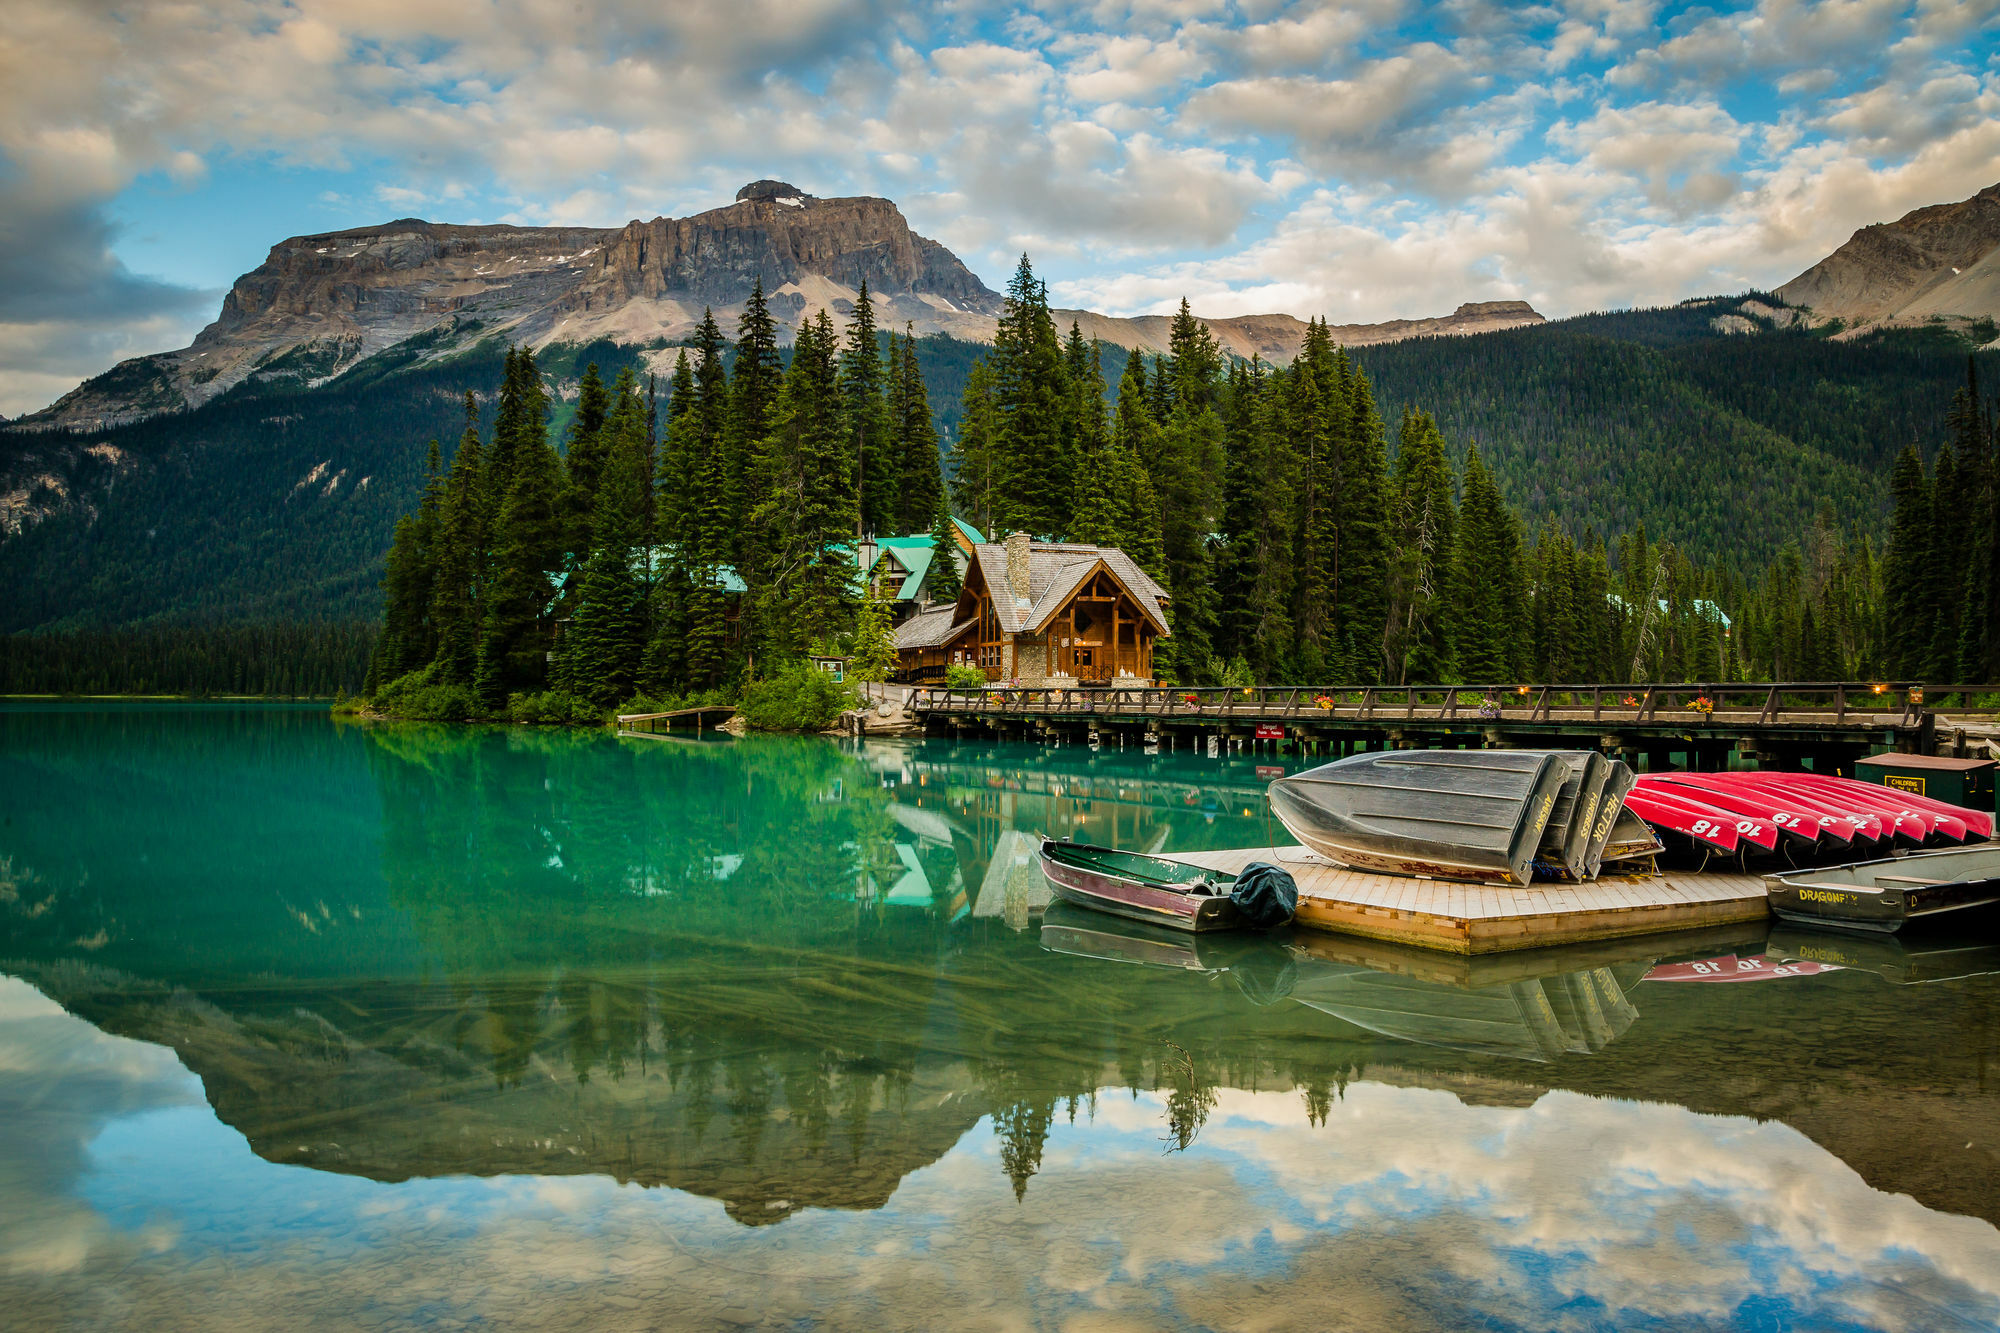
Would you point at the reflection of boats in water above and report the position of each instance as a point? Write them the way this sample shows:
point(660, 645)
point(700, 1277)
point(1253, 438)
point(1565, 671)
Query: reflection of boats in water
point(1527, 1006)
point(1901, 960)
point(1738, 967)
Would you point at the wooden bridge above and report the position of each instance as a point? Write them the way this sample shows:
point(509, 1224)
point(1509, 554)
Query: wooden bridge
point(1834, 722)
point(696, 720)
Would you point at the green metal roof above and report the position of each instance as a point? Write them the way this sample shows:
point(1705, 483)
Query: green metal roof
point(974, 535)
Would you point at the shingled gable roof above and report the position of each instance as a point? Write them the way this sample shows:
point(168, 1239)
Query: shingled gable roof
point(930, 628)
point(1055, 571)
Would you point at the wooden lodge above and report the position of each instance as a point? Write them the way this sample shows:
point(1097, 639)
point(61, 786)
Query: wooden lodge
point(1040, 614)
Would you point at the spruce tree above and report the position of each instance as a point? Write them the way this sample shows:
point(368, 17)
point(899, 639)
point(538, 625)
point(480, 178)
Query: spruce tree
point(676, 517)
point(1910, 613)
point(871, 459)
point(601, 654)
point(1418, 646)
point(755, 380)
point(1487, 582)
point(974, 451)
point(456, 596)
point(943, 583)
point(808, 521)
point(707, 519)
point(1361, 602)
point(1313, 411)
point(920, 488)
point(408, 640)
point(874, 655)
point(1034, 460)
point(583, 463)
point(528, 540)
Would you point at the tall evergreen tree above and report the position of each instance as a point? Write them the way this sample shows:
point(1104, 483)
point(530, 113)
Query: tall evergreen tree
point(809, 519)
point(408, 640)
point(583, 462)
point(1907, 593)
point(1362, 564)
point(600, 657)
point(920, 487)
point(1487, 582)
point(457, 593)
point(943, 583)
point(529, 538)
point(705, 548)
point(871, 456)
point(1034, 459)
point(1417, 646)
point(676, 525)
point(974, 453)
point(755, 381)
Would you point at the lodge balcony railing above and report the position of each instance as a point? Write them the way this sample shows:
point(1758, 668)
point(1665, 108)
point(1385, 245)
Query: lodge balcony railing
point(1858, 704)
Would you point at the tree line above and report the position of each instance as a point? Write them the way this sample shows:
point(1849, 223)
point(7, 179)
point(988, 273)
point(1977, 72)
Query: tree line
point(685, 538)
point(676, 538)
point(284, 659)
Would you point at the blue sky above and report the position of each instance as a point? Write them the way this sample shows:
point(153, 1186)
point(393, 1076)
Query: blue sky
point(1362, 161)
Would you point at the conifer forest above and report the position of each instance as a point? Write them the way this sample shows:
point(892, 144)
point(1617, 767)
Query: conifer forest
point(583, 539)
point(680, 537)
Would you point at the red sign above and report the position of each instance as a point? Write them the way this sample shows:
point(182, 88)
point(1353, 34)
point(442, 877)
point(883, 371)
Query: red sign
point(1269, 732)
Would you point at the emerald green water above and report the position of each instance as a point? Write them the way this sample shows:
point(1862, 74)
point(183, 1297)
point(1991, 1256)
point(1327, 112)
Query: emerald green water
point(305, 1023)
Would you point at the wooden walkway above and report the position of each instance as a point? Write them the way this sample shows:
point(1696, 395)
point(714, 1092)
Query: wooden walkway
point(700, 719)
point(1477, 918)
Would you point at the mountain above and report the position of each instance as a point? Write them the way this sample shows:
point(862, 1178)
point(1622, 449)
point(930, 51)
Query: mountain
point(321, 305)
point(1937, 263)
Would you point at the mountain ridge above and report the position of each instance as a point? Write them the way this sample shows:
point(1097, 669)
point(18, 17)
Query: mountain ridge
point(321, 304)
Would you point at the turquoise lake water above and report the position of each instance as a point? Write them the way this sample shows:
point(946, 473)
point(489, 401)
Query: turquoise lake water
point(316, 1024)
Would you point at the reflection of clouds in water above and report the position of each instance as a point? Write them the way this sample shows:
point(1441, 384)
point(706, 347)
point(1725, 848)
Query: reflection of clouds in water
point(122, 1195)
point(60, 1081)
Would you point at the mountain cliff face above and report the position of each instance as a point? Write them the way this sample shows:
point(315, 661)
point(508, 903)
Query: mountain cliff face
point(321, 305)
point(1937, 262)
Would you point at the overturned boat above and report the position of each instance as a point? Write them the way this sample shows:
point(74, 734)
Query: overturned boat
point(1435, 814)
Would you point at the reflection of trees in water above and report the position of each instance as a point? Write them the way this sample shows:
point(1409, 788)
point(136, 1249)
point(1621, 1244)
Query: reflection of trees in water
point(1189, 1099)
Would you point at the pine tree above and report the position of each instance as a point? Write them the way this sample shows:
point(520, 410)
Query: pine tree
point(1034, 461)
point(1312, 410)
point(920, 489)
point(1418, 645)
point(1910, 613)
point(677, 519)
point(408, 640)
point(456, 596)
point(529, 539)
point(755, 381)
point(1361, 603)
point(1487, 582)
point(600, 656)
point(708, 522)
point(973, 453)
point(583, 463)
point(807, 596)
point(871, 458)
point(874, 653)
point(942, 583)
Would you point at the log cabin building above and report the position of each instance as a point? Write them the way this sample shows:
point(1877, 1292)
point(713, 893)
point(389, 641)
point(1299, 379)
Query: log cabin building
point(1040, 613)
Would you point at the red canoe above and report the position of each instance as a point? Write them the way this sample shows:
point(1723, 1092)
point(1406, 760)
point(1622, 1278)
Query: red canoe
point(1948, 822)
point(1860, 823)
point(1757, 831)
point(1712, 829)
point(1795, 821)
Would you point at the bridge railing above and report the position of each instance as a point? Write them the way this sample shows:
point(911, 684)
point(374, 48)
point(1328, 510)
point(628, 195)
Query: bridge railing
point(1802, 703)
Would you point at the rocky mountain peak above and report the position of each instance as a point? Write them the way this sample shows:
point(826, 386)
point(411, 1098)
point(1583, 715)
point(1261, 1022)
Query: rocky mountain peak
point(768, 189)
point(1941, 262)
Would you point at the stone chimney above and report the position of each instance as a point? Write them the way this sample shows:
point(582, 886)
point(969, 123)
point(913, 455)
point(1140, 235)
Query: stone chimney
point(1017, 562)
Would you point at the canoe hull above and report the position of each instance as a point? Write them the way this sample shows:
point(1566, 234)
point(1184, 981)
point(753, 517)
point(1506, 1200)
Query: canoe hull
point(1135, 898)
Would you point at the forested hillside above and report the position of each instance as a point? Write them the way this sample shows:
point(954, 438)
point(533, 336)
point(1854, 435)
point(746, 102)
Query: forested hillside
point(277, 501)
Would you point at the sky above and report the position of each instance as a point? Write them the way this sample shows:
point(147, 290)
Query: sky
point(1363, 161)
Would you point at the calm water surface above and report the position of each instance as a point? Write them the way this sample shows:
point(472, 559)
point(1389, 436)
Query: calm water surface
point(316, 1024)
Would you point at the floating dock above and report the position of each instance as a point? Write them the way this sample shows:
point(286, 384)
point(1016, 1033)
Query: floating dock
point(1480, 918)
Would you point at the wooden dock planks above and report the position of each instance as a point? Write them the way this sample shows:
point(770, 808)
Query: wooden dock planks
point(1476, 918)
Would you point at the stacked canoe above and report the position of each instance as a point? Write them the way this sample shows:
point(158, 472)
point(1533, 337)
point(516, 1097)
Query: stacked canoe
point(1516, 817)
point(1801, 818)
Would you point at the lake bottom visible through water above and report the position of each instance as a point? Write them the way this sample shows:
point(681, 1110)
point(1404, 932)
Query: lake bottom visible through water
point(305, 1023)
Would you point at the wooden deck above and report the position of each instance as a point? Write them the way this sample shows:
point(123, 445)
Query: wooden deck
point(1477, 918)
